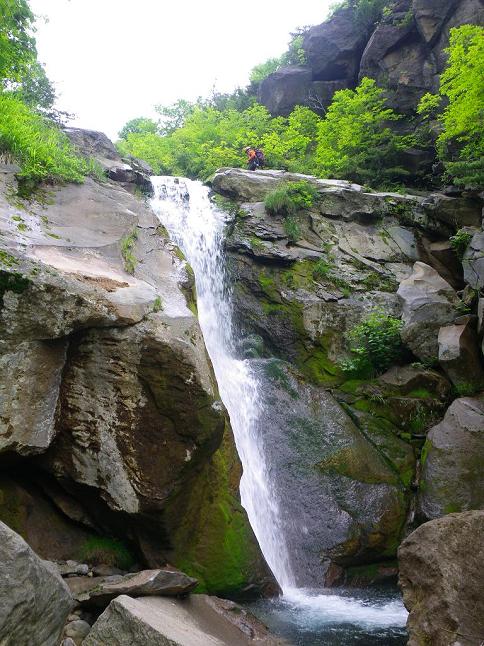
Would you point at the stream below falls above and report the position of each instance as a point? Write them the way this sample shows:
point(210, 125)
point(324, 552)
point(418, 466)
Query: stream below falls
point(304, 617)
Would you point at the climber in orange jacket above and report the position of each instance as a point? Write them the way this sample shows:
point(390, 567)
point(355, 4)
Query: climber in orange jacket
point(255, 158)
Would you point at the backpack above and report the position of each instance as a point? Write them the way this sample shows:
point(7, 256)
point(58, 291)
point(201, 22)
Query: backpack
point(260, 156)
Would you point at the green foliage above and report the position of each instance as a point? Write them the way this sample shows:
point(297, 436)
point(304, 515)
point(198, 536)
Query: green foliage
point(375, 344)
point(101, 550)
point(460, 241)
point(157, 304)
point(127, 246)
point(459, 107)
point(17, 45)
point(354, 141)
point(290, 197)
point(366, 13)
point(39, 147)
point(262, 71)
point(140, 125)
point(291, 229)
point(295, 55)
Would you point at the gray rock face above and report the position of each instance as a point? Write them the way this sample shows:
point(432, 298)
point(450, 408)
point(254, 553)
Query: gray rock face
point(452, 477)
point(330, 480)
point(441, 580)
point(100, 591)
point(34, 600)
point(473, 261)
point(459, 355)
point(429, 303)
point(283, 89)
point(30, 377)
point(197, 621)
point(101, 358)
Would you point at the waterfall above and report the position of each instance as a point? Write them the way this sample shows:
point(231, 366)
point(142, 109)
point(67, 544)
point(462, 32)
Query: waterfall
point(197, 226)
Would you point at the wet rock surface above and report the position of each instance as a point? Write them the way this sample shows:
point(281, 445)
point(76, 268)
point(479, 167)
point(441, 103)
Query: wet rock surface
point(440, 577)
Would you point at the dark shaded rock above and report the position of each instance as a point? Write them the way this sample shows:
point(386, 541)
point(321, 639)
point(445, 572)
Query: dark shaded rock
point(26, 511)
point(330, 480)
point(457, 212)
point(93, 143)
point(459, 355)
point(452, 458)
point(34, 600)
point(99, 591)
point(333, 49)
point(408, 379)
point(196, 621)
point(431, 15)
point(284, 89)
point(441, 580)
point(442, 257)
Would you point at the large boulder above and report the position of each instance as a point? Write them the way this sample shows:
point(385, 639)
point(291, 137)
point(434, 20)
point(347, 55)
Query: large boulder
point(429, 303)
point(197, 621)
point(34, 600)
point(98, 325)
point(284, 89)
point(441, 580)
point(100, 590)
point(333, 49)
point(452, 458)
point(459, 355)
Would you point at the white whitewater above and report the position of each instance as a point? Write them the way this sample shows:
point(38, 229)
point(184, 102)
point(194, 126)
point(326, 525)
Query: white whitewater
point(197, 226)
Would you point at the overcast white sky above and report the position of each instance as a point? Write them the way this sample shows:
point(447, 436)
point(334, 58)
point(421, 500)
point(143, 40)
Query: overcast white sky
point(112, 60)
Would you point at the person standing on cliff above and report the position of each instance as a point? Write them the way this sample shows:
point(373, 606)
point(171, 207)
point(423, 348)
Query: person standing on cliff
point(255, 158)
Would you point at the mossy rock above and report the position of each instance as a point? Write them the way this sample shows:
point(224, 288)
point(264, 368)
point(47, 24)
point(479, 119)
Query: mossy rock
point(210, 534)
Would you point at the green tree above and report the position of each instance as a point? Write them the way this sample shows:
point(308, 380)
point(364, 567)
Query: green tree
point(459, 107)
point(140, 125)
point(17, 44)
point(355, 141)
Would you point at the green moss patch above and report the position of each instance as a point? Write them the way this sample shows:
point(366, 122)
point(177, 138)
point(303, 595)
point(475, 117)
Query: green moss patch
point(103, 550)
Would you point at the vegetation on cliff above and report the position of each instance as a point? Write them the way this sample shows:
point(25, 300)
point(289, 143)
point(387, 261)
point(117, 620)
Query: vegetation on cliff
point(29, 130)
point(459, 107)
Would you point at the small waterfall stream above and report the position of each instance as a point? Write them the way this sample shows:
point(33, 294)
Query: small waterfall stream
point(197, 226)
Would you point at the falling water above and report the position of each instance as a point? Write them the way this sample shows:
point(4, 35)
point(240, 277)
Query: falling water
point(197, 226)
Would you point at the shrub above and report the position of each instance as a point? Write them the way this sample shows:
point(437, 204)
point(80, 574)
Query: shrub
point(354, 140)
point(291, 227)
point(42, 150)
point(460, 241)
point(459, 106)
point(290, 197)
point(127, 246)
point(375, 344)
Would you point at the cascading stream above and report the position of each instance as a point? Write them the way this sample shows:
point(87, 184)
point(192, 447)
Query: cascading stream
point(197, 227)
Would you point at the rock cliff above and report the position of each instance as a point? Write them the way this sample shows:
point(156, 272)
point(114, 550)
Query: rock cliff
point(347, 453)
point(403, 52)
point(110, 423)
